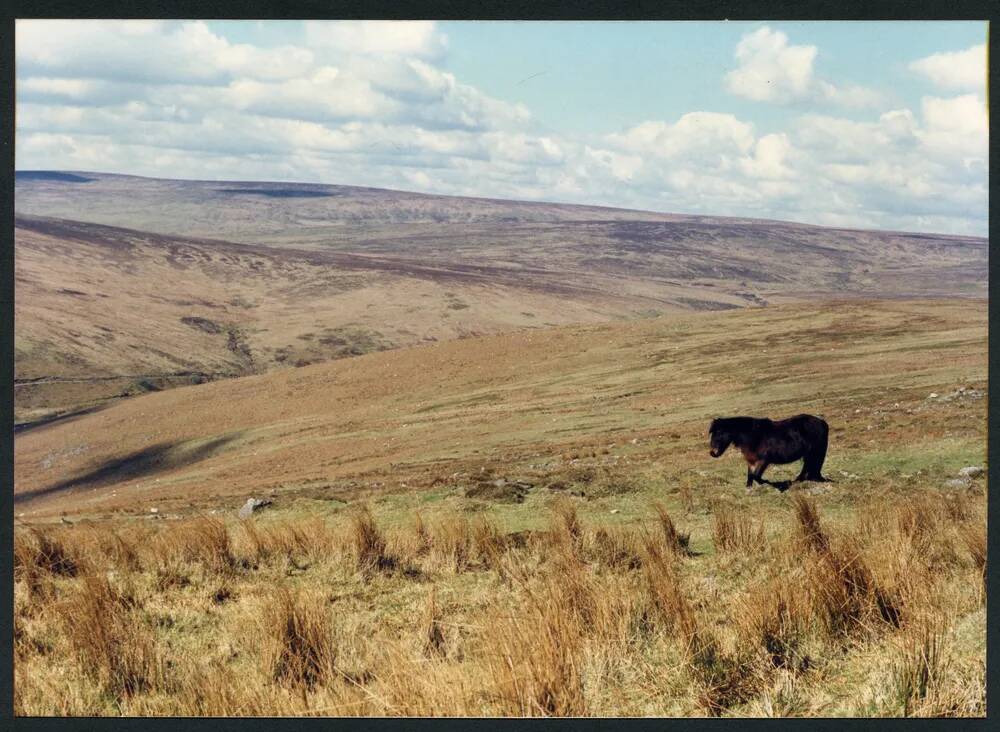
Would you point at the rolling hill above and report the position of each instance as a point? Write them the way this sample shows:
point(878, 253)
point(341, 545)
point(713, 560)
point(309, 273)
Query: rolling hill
point(126, 285)
point(418, 417)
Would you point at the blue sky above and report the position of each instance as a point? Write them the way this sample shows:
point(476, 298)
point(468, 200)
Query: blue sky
point(664, 69)
point(856, 124)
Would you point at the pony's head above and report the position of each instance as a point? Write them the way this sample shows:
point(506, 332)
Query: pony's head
point(719, 438)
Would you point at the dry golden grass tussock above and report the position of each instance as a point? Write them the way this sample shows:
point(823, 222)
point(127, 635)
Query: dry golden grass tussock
point(923, 678)
point(490, 543)
point(616, 548)
point(422, 537)
point(973, 536)
point(534, 657)
point(735, 533)
point(299, 647)
point(666, 598)
point(310, 540)
point(110, 639)
point(452, 544)
point(723, 680)
point(810, 530)
point(675, 541)
point(843, 593)
point(204, 540)
point(566, 530)
point(370, 548)
point(774, 618)
point(46, 552)
point(432, 630)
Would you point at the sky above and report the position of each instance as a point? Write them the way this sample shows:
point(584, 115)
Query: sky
point(860, 124)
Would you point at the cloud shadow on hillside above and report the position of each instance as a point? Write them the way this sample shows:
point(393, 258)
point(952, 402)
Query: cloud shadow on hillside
point(140, 464)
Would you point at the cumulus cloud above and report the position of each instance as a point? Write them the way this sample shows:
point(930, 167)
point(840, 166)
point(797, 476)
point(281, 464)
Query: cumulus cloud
point(770, 69)
point(147, 52)
point(414, 38)
point(770, 159)
point(372, 104)
point(955, 70)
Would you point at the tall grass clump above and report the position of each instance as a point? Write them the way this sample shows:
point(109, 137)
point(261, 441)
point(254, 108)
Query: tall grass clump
point(432, 631)
point(667, 601)
point(845, 593)
point(810, 530)
point(370, 549)
point(204, 540)
point(918, 670)
point(566, 530)
point(452, 544)
point(774, 619)
point(734, 533)
point(534, 658)
point(675, 541)
point(111, 641)
point(300, 649)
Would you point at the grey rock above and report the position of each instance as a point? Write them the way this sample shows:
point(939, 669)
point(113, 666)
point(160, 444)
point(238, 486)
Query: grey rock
point(252, 504)
point(972, 471)
point(957, 483)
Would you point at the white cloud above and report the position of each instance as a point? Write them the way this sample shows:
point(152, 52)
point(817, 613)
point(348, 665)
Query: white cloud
point(694, 134)
point(770, 158)
point(371, 104)
point(325, 94)
point(770, 69)
point(147, 52)
point(965, 115)
point(773, 70)
point(956, 70)
point(847, 96)
point(418, 38)
point(956, 128)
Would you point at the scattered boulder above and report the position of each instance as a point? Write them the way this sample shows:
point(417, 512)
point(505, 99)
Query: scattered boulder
point(957, 483)
point(961, 393)
point(252, 505)
point(972, 471)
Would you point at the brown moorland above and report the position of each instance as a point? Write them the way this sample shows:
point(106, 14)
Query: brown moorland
point(127, 285)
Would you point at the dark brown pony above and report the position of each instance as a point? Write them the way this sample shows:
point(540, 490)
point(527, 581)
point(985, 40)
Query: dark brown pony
point(766, 442)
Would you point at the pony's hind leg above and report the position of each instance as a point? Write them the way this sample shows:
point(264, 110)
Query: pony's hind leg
point(814, 463)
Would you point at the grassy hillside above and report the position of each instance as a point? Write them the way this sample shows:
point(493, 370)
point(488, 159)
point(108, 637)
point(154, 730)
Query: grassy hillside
point(126, 285)
point(524, 524)
point(416, 416)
